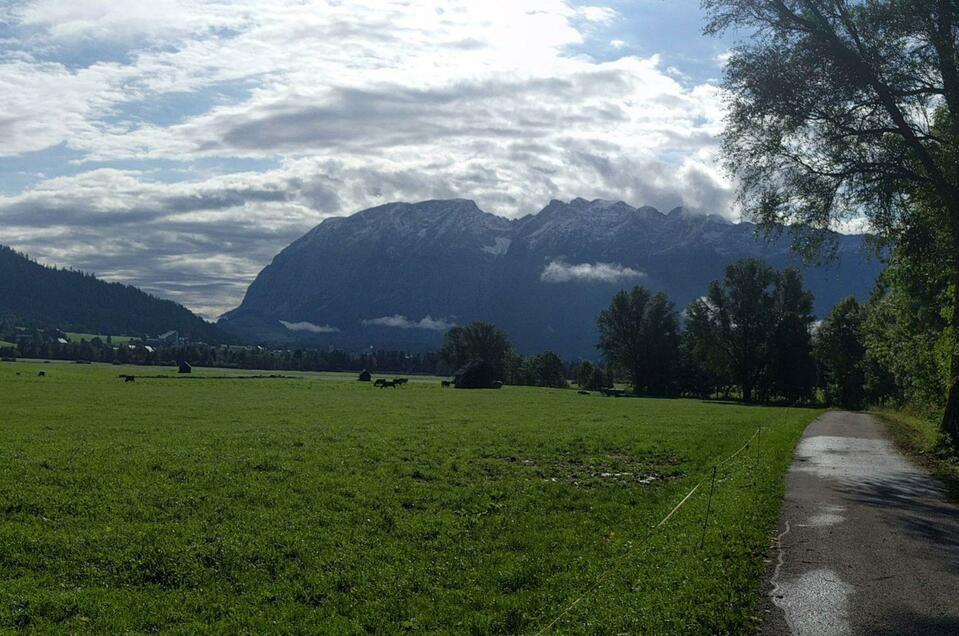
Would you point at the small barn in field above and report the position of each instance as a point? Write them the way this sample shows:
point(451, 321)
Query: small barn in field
point(476, 374)
point(184, 367)
point(365, 376)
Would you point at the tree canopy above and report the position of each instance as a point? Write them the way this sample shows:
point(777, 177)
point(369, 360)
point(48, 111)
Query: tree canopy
point(477, 341)
point(845, 109)
point(639, 333)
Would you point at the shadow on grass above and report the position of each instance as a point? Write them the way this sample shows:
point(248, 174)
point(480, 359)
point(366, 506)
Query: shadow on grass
point(916, 438)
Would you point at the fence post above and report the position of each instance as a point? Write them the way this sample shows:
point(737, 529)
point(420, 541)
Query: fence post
point(709, 503)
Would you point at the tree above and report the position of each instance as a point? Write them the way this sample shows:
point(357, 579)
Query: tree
point(841, 351)
point(791, 372)
point(752, 330)
point(742, 313)
point(906, 332)
point(477, 341)
point(639, 333)
point(705, 365)
point(547, 370)
point(829, 119)
point(584, 374)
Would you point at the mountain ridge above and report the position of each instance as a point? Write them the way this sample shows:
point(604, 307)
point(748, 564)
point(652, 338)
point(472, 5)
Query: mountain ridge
point(393, 275)
point(33, 294)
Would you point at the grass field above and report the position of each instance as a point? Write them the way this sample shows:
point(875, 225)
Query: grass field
point(321, 505)
point(920, 438)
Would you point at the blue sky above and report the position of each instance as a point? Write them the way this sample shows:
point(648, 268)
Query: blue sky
point(178, 145)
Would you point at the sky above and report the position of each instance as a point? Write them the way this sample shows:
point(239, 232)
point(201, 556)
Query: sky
point(179, 145)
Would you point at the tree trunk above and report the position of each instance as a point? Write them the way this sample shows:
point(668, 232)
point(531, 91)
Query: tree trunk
point(950, 419)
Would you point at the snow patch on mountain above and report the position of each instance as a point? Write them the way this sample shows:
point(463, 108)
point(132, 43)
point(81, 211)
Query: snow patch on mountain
point(499, 247)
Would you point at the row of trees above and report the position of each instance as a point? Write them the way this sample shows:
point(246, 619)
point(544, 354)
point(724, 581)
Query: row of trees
point(484, 341)
point(751, 334)
point(841, 110)
point(223, 356)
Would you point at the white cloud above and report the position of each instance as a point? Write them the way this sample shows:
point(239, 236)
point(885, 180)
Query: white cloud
point(617, 44)
point(397, 321)
point(600, 15)
point(308, 327)
point(562, 272)
point(352, 104)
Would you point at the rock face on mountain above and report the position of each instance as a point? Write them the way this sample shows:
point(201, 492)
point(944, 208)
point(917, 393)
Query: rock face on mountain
point(398, 275)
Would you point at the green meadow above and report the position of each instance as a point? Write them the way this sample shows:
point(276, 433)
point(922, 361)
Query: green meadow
point(317, 504)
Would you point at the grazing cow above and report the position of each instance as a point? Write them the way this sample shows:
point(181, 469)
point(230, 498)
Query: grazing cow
point(129, 378)
point(42, 374)
point(400, 381)
point(446, 384)
point(379, 382)
point(388, 383)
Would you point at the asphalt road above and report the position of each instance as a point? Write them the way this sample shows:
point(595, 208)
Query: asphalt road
point(868, 543)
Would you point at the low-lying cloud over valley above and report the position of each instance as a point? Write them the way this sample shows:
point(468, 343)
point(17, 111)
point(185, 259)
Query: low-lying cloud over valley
point(562, 272)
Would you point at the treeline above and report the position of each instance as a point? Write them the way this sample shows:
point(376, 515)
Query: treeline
point(752, 336)
point(97, 350)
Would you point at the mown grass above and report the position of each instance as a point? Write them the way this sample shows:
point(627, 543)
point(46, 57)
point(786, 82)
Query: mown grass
point(322, 505)
point(919, 436)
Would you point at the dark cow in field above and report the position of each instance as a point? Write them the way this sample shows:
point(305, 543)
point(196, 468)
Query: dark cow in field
point(42, 374)
point(401, 381)
point(129, 378)
point(446, 384)
point(381, 383)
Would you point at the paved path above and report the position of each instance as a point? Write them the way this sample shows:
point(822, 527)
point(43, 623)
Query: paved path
point(869, 543)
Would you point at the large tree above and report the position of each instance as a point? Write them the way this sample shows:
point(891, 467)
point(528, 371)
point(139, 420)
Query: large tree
point(791, 371)
point(841, 109)
point(742, 309)
point(752, 330)
point(474, 342)
point(841, 351)
point(639, 333)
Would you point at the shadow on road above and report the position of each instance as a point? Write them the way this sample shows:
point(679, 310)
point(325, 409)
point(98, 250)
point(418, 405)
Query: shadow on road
point(918, 506)
point(902, 622)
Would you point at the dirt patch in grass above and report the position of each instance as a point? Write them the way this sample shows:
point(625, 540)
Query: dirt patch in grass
point(611, 470)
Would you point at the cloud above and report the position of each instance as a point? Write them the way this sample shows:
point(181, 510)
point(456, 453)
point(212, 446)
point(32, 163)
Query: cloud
point(600, 15)
point(562, 272)
point(397, 321)
point(209, 135)
point(308, 327)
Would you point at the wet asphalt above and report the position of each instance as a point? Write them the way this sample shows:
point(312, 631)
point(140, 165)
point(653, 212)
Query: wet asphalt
point(868, 542)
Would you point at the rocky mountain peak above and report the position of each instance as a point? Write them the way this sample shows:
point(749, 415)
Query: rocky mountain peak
point(376, 276)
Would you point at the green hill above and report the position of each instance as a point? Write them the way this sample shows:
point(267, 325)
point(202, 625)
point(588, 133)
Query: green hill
point(32, 294)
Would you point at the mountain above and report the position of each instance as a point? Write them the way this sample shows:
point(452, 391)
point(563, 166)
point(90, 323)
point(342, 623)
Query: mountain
point(399, 274)
point(35, 295)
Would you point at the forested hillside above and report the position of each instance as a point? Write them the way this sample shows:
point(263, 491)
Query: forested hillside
point(37, 296)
